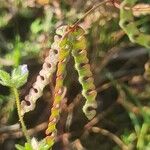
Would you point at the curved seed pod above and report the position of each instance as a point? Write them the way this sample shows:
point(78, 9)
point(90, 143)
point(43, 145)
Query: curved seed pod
point(76, 42)
point(85, 75)
point(58, 96)
point(42, 80)
point(128, 25)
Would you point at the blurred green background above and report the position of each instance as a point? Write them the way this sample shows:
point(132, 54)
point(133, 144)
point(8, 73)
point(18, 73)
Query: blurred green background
point(27, 29)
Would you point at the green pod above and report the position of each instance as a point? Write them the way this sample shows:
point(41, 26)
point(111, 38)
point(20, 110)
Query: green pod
point(128, 24)
point(85, 75)
point(75, 42)
point(64, 51)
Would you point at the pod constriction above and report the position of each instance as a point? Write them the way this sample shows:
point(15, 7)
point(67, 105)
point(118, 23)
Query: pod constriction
point(58, 95)
point(82, 66)
point(42, 80)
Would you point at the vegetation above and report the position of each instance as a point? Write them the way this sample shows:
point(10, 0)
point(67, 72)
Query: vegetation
point(91, 92)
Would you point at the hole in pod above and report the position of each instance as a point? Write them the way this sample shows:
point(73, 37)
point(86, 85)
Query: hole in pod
point(42, 77)
point(35, 90)
point(28, 102)
point(126, 22)
point(135, 36)
point(55, 51)
point(59, 36)
point(90, 108)
point(48, 65)
point(85, 78)
point(82, 65)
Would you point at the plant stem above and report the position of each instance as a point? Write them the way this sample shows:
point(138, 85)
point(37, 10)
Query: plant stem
point(140, 142)
point(90, 11)
point(84, 16)
point(24, 129)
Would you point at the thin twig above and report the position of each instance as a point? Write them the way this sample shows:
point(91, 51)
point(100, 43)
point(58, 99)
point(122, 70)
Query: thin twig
point(19, 134)
point(89, 12)
point(112, 136)
point(77, 145)
point(10, 128)
point(73, 27)
point(103, 114)
point(24, 129)
point(143, 132)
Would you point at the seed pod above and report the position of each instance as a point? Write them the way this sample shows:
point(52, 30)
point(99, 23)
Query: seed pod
point(42, 80)
point(64, 50)
point(85, 75)
point(128, 24)
point(72, 41)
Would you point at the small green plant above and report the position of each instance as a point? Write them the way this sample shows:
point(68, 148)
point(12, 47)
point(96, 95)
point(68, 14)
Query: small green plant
point(34, 145)
point(15, 80)
point(140, 123)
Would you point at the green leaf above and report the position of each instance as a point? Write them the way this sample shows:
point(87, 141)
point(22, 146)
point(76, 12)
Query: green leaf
point(19, 76)
point(5, 78)
point(42, 145)
point(19, 147)
point(28, 146)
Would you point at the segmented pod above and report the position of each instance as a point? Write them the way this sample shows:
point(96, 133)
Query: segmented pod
point(58, 96)
point(68, 39)
point(85, 75)
point(75, 42)
point(127, 23)
point(42, 80)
